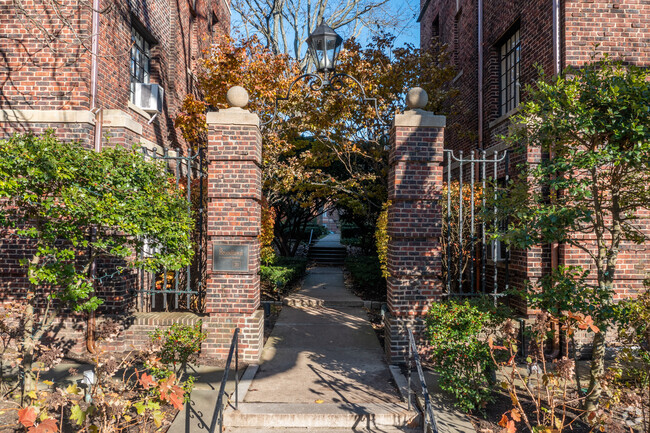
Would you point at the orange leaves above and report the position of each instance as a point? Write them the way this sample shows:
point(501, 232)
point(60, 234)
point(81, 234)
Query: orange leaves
point(147, 381)
point(191, 120)
point(247, 63)
point(27, 417)
point(583, 322)
point(509, 423)
point(167, 388)
point(46, 426)
point(171, 392)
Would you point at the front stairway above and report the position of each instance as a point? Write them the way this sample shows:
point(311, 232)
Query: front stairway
point(328, 251)
point(322, 370)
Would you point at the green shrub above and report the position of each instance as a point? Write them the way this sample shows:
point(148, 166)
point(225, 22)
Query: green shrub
point(282, 272)
point(176, 346)
point(353, 242)
point(456, 334)
point(367, 277)
point(318, 229)
point(349, 230)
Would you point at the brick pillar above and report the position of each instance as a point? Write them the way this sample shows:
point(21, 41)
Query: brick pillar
point(414, 224)
point(234, 193)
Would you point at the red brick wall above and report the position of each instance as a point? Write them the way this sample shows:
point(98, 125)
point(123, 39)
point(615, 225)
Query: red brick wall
point(35, 76)
point(620, 27)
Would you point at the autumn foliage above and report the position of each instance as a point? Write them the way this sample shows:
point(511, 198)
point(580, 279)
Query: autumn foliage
point(325, 147)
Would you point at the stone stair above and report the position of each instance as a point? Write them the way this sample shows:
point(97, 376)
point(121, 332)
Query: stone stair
point(382, 429)
point(297, 417)
point(328, 255)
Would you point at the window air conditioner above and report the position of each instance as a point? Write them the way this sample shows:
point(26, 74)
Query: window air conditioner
point(149, 97)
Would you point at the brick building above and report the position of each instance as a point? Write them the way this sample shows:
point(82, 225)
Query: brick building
point(495, 46)
point(105, 73)
point(80, 71)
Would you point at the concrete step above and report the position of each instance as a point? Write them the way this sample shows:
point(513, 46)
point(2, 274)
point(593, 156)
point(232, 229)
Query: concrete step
point(327, 415)
point(330, 249)
point(381, 429)
point(306, 302)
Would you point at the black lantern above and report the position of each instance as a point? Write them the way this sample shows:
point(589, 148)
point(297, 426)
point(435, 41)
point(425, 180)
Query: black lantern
point(324, 46)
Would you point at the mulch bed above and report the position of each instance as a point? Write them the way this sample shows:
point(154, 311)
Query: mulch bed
point(488, 422)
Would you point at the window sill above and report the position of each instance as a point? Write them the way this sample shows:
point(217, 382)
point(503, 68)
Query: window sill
point(139, 110)
point(504, 117)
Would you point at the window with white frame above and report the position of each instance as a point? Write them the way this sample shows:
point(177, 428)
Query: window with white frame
point(509, 55)
point(140, 60)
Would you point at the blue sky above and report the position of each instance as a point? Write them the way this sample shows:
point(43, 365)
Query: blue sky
point(406, 11)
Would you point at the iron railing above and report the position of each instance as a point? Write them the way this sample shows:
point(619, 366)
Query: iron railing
point(182, 289)
point(471, 221)
point(414, 358)
point(217, 416)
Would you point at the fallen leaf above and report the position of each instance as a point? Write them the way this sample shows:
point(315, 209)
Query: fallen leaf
point(319, 401)
point(47, 426)
point(503, 422)
point(27, 416)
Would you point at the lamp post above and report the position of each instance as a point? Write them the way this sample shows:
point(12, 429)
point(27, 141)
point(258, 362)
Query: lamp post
point(324, 45)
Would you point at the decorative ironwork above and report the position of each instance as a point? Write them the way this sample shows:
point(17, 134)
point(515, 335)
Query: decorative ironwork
point(183, 289)
point(468, 248)
point(334, 81)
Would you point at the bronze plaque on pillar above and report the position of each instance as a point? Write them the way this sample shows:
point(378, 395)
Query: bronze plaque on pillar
point(232, 258)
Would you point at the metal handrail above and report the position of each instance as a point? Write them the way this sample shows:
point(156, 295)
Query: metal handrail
point(217, 416)
point(429, 417)
point(311, 234)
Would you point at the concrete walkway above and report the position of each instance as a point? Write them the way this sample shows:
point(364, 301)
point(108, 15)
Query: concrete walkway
point(331, 240)
point(322, 367)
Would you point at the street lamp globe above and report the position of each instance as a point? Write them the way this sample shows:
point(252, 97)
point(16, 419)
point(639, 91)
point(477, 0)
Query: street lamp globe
point(324, 46)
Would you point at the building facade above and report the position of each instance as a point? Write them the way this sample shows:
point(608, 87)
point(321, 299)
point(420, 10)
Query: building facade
point(104, 73)
point(497, 48)
point(78, 69)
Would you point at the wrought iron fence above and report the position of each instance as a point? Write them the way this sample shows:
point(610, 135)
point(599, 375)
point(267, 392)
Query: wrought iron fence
point(474, 262)
point(166, 290)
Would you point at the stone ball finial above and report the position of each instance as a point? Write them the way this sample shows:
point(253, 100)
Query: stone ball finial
point(416, 98)
point(237, 96)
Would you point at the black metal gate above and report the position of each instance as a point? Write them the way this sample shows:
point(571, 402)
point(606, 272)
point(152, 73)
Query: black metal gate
point(474, 261)
point(181, 290)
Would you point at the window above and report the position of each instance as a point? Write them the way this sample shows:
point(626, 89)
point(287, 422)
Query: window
point(140, 60)
point(509, 83)
point(435, 27)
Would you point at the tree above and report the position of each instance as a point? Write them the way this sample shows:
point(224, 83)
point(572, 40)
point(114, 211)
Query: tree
point(324, 147)
point(592, 190)
point(285, 24)
point(71, 206)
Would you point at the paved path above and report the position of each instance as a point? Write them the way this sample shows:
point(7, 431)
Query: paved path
point(328, 353)
point(322, 366)
point(331, 240)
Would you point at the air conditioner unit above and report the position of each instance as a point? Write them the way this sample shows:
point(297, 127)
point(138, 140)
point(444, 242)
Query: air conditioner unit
point(149, 97)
